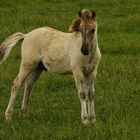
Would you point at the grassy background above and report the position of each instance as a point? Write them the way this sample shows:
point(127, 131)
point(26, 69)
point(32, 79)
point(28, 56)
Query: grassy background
point(54, 105)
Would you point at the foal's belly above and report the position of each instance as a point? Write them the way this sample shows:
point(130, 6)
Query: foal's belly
point(60, 66)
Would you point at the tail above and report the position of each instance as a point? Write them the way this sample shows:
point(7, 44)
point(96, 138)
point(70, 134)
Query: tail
point(7, 45)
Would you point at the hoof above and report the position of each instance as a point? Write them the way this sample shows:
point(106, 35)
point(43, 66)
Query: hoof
point(23, 114)
point(8, 117)
point(85, 121)
point(92, 119)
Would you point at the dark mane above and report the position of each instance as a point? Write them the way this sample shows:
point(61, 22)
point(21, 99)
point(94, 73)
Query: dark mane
point(74, 27)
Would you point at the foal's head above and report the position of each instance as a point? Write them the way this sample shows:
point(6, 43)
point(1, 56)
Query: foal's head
point(86, 24)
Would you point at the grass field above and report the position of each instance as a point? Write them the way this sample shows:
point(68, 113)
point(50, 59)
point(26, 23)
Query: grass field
point(54, 106)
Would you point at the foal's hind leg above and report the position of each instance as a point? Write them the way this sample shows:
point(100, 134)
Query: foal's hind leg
point(29, 83)
point(25, 70)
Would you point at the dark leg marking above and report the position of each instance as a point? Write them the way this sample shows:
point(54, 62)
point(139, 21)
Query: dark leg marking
point(83, 95)
point(90, 95)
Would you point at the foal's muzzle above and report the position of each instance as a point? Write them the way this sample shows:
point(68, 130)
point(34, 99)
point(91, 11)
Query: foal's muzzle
point(85, 50)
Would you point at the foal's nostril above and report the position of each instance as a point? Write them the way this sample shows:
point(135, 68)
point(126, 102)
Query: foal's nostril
point(85, 50)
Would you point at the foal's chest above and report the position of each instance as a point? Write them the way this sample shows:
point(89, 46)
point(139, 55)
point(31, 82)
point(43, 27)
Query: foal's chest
point(89, 64)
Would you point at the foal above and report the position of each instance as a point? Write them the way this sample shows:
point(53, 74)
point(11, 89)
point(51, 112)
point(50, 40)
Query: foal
point(49, 49)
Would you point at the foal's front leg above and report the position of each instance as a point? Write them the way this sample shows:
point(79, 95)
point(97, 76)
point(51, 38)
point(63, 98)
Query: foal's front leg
point(79, 80)
point(90, 95)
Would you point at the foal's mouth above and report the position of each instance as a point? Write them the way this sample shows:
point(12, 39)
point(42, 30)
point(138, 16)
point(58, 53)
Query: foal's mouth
point(85, 51)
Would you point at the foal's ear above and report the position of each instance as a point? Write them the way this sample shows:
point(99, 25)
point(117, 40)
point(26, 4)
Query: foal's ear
point(93, 14)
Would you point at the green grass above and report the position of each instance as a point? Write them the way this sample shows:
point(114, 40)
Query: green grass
point(54, 104)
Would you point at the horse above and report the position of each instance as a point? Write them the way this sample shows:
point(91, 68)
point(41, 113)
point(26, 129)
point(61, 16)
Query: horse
point(48, 49)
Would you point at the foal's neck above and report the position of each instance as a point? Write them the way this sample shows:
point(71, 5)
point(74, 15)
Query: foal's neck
point(93, 51)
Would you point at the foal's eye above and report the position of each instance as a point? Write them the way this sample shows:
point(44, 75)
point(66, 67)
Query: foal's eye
point(93, 30)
